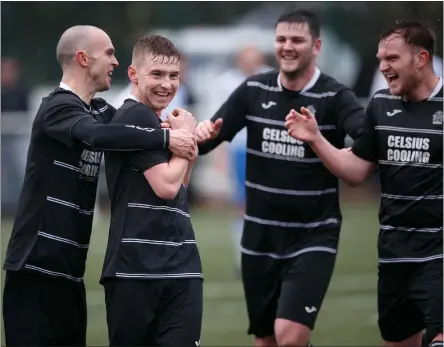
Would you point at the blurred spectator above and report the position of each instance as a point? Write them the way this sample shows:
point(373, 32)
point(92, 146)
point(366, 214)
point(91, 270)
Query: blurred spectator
point(15, 95)
point(14, 103)
point(249, 61)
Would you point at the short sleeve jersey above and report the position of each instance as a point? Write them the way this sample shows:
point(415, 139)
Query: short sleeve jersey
point(150, 238)
point(405, 139)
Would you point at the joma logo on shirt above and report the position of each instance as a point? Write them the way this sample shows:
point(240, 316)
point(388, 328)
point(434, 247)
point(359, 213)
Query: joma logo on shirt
point(90, 163)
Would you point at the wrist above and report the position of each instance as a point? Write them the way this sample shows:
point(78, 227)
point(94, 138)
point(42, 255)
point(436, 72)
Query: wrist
point(316, 140)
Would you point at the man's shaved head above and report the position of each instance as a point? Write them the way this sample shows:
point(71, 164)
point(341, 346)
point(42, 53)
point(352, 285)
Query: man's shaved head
point(79, 37)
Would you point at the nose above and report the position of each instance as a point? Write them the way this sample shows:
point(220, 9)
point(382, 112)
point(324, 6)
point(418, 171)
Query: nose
point(287, 45)
point(166, 84)
point(383, 66)
point(115, 63)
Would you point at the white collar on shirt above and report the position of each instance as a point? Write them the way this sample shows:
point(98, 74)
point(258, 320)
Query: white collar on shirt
point(66, 87)
point(132, 96)
point(310, 83)
point(437, 88)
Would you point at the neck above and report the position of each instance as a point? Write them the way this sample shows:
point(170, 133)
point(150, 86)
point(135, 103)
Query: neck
point(79, 86)
point(299, 81)
point(424, 88)
point(138, 95)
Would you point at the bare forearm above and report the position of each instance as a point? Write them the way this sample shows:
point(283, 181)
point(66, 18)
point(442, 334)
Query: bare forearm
point(176, 171)
point(343, 164)
point(187, 179)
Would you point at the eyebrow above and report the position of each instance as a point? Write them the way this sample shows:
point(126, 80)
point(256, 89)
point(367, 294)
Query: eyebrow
point(391, 55)
point(290, 36)
point(163, 71)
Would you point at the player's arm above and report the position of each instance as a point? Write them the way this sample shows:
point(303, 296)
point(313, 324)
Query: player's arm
point(226, 123)
point(164, 175)
point(165, 178)
point(354, 166)
point(191, 163)
point(349, 113)
point(345, 165)
point(67, 121)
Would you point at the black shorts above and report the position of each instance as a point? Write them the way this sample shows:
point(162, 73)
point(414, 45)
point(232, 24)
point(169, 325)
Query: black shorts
point(410, 299)
point(291, 289)
point(154, 312)
point(39, 310)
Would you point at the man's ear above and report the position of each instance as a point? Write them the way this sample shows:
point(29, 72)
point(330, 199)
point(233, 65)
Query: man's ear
point(132, 74)
point(82, 58)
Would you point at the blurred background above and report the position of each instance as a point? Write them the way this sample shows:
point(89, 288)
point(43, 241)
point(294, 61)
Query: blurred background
point(221, 44)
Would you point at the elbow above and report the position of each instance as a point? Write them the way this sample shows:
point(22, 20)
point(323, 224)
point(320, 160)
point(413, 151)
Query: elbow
point(94, 142)
point(167, 191)
point(354, 181)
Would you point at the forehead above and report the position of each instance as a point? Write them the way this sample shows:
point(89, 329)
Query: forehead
point(392, 45)
point(292, 29)
point(102, 40)
point(161, 63)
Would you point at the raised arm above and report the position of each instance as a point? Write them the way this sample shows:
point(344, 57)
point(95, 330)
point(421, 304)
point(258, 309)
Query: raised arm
point(166, 178)
point(346, 165)
point(191, 163)
point(67, 121)
point(225, 124)
point(164, 174)
point(343, 164)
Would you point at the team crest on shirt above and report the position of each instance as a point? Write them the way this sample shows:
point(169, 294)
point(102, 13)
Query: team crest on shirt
point(312, 109)
point(437, 118)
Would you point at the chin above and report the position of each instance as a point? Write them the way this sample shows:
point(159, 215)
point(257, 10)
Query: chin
point(293, 72)
point(165, 104)
point(160, 106)
point(398, 90)
point(103, 88)
point(394, 91)
point(287, 68)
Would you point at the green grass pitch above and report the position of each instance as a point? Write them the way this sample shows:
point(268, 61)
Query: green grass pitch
point(348, 316)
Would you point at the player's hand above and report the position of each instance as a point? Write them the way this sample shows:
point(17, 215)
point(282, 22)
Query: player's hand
point(181, 119)
point(195, 153)
point(302, 126)
point(165, 124)
point(208, 130)
point(183, 143)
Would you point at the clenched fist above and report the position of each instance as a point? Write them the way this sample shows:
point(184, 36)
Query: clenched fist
point(208, 130)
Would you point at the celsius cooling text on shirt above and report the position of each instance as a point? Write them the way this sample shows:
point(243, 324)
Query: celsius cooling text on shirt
point(408, 149)
point(90, 163)
point(277, 141)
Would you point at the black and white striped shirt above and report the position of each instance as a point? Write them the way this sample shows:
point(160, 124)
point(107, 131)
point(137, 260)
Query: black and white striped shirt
point(150, 238)
point(405, 140)
point(292, 199)
point(53, 223)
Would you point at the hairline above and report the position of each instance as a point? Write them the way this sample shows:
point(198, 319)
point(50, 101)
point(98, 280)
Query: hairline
point(399, 34)
point(310, 33)
point(140, 58)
